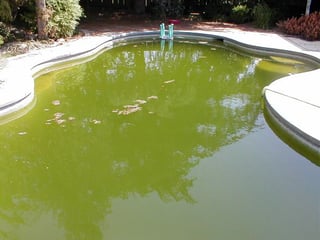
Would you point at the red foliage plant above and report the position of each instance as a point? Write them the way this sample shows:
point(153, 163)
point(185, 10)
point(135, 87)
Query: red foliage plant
point(307, 26)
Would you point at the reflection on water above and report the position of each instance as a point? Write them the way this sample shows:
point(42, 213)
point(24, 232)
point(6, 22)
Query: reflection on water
point(128, 139)
point(305, 150)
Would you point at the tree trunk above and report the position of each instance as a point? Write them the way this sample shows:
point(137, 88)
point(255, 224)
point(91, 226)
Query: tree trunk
point(42, 19)
point(308, 7)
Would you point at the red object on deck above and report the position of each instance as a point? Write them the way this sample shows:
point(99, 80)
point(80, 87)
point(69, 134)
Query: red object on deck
point(174, 21)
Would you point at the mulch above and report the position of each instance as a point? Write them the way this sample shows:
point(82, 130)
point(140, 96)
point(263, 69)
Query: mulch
point(101, 24)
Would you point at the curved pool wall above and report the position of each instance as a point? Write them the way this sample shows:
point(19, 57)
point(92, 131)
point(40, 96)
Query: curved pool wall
point(282, 104)
point(289, 135)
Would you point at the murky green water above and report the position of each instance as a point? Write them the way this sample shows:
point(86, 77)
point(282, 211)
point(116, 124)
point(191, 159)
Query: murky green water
point(156, 142)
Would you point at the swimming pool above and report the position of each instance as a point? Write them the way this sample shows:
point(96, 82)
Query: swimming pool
point(156, 140)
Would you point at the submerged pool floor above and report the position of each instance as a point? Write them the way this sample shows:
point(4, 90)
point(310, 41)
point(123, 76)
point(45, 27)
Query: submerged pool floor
point(156, 141)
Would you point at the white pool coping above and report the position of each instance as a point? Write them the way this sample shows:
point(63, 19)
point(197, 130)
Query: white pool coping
point(294, 100)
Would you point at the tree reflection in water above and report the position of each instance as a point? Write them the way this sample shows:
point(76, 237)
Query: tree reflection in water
point(74, 153)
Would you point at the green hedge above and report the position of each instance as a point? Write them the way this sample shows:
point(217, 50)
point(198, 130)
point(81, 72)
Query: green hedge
point(263, 16)
point(64, 16)
point(5, 11)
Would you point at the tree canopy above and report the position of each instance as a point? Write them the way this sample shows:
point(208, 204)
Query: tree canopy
point(59, 18)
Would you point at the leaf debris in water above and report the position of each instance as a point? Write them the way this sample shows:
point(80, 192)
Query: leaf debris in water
point(56, 102)
point(95, 121)
point(128, 109)
point(169, 81)
point(152, 97)
point(131, 106)
point(60, 121)
point(57, 118)
point(58, 115)
point(139, 101)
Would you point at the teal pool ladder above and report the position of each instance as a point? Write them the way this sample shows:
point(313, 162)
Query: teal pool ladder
point(166, 34)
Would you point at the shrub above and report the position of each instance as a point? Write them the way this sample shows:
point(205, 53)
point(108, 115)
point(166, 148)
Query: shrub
point(161, 10)
point(64, 16)
point(4, 32)
point(308, 27)
point(175, 10)
point(263, 16)
point(5, 11)
point(240, 14)
point(26, 16)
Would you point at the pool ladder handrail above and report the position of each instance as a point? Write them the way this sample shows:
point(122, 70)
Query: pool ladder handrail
point(163, 31)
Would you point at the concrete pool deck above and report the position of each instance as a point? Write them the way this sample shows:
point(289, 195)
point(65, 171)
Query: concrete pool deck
point(293, 100)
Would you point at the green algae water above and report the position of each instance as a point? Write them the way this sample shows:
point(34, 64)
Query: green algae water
point(156, 141)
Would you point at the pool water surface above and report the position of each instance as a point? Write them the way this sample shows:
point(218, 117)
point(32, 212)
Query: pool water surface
point(156, 140)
